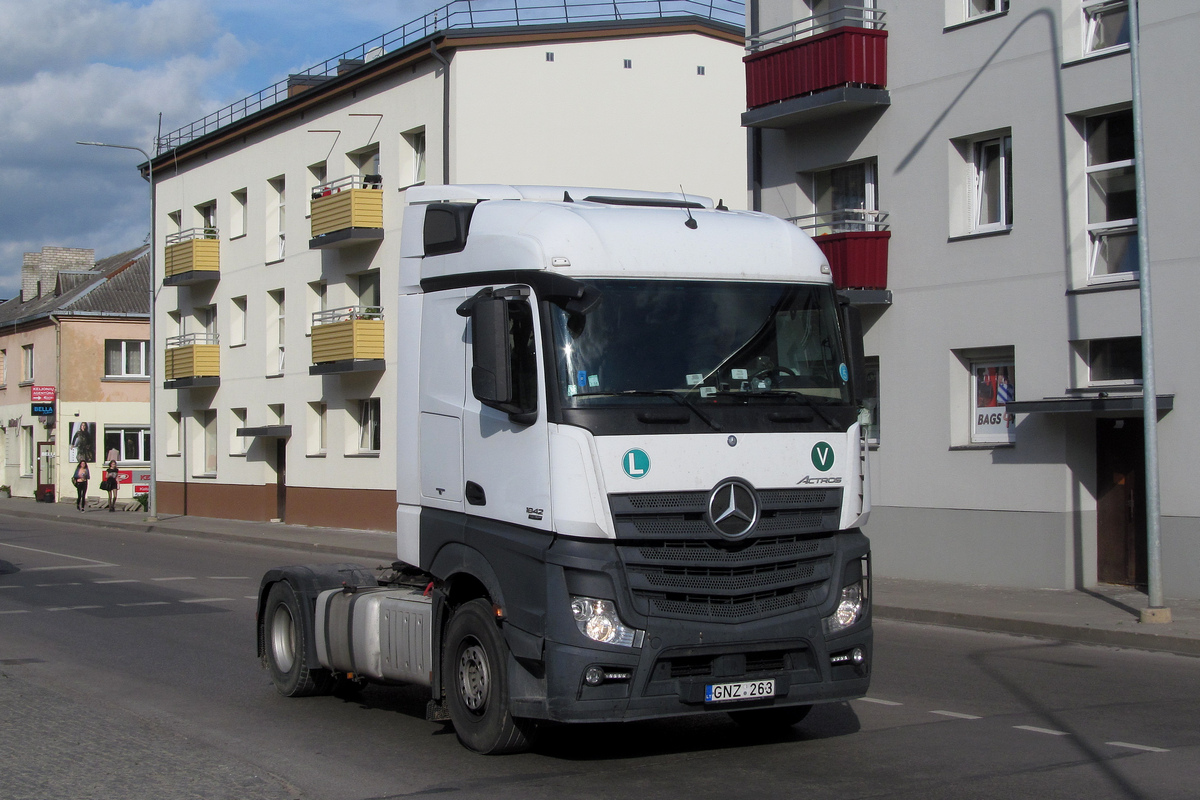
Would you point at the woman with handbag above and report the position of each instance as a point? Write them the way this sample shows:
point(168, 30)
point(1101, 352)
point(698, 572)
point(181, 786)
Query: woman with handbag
point(110, 484)
point(80, 479)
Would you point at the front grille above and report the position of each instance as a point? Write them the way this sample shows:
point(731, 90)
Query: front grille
point(677, 566)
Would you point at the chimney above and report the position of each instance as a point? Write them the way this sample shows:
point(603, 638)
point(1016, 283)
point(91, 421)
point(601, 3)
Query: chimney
point(29, 276)
point(55, 259)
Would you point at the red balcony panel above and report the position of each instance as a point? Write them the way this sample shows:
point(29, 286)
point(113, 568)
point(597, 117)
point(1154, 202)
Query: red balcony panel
point(859, 259)
point(825, 61)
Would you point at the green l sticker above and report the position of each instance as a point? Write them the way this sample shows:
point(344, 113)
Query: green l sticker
point(636, 463)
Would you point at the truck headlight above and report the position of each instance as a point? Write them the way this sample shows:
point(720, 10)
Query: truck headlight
point(598, 620)
point(849, 609)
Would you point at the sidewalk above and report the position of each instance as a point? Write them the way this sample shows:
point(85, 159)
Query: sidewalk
point(1106, 615)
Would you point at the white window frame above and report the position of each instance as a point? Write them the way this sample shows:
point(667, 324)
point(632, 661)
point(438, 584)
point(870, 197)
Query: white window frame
point(143, 347)
point(369, 431)
point(1093, 13)
point(237, 214)
point(174, 439)
point(277, 238)
point(318, 429)
point(4, 367)
point(1111, 381)
point(237, 321)
point(979, 175)
point(238, 445)
point(989, 435)
point(206, 420)
point(279, 298)
point(143, 438)
point(970, 12)
point(840, 219)
point(1100, 232)
point(27, 370)
point(27, 451)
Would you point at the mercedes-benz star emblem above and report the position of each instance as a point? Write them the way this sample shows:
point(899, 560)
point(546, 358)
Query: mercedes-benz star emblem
point(732, 508)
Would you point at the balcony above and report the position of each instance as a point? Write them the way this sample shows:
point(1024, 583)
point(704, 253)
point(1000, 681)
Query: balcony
point(817, 67)
point(347, 211)
point(192, 360)
point(192, 256)
point(856, 243)
point(347, 339)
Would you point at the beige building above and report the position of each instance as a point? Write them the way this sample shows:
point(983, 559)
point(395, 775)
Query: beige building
point(968, 166)
point(74, 372)
point(279, 224)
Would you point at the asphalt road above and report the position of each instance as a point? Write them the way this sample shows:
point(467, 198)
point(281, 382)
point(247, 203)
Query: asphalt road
point(127, 668)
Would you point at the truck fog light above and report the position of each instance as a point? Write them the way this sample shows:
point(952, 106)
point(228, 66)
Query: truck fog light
point(598, 620)
point(849, 609)
point(594, 676)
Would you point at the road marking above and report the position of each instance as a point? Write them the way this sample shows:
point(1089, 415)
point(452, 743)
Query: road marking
point(250, 596)
point(47, 585)
point(181, 578)
point(880, 702)
point(1047, 731)
point(207, 600)
point(72, 608)
point(91, 561)
point(118, 580)
point(12, 586)
point(955, 714)
point(150, 603)
point(17, 611)
point(1144, 747)
point(228, 578)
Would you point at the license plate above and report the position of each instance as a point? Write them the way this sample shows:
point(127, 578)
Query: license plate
point(747, 690)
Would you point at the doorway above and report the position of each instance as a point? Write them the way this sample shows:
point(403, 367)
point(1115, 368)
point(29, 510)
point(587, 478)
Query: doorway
point(1120, 502)
point(46, 477)
point(281, 479)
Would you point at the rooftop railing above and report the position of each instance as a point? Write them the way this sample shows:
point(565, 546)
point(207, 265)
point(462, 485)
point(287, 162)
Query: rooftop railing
point(458, 14)
point(844, 17)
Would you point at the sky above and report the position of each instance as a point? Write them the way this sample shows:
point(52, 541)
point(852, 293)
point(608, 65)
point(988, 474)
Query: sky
point(102, 71)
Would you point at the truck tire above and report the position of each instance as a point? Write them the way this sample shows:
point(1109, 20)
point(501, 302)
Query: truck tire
point(768, 719)
point(286, 639)
point(475, 676)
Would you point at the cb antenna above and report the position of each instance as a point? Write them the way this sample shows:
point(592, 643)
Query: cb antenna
point(691, 221)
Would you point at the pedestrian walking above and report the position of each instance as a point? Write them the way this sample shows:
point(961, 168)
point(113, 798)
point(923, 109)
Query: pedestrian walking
point(80, 479)
point(111, 475)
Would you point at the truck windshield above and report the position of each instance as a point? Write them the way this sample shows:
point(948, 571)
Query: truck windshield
point(701, 341)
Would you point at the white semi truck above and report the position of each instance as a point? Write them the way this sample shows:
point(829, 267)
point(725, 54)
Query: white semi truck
point(631, 474)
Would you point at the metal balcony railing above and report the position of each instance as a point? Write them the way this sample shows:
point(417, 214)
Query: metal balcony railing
point(333, 315)
point(844, 17)
point(186, 339)
point(842, 220)
point(348, 182)
point(460, 14)
point(192, 233)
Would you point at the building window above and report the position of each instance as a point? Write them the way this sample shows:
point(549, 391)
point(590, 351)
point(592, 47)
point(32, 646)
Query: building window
point(549, 56)
point(699, 70)
point(3, 367)
point(368, 288)
point(206, 215)
point(991, 200)
point(318, 300)
point(238, 445)
point(318, 415)
point(845, 199)
point(317, 175)
point(174, 222)
point(237, 321)
point(368, 426)
point(871, 397)
point(980, 8)
point(366, 162)
point(414, 143)
point(1115, 361)
point(275, 334)
point(237, 214)
point(131, 442)
point(27, 363)
point(1111, 197)
point(207, 421)
point(993, 384)
point(277, 219)
point(628, 63)
point(1106, 24)
point(174, 436)
point(27, 450)
point(126, 358)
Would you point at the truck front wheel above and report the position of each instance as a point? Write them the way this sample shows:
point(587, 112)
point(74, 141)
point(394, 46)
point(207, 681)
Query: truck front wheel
point(475, 675)
point(287, 646)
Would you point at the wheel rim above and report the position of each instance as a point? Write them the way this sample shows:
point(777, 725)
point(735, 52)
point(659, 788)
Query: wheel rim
point(283, 639)
point(474, 677)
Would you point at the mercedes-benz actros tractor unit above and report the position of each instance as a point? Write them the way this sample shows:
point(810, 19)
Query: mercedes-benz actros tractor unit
point(631, 473)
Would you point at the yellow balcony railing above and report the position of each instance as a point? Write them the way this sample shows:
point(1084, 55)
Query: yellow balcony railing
point(353, 203)
point(353, 333)
point(193, 355)
point(192, 256)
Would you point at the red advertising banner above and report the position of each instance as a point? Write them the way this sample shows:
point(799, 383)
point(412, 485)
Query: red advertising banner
point(42, 394)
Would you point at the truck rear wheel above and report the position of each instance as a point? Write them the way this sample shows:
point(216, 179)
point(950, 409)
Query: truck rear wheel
point(286, 638)
point(770, 718)
point(475, 676)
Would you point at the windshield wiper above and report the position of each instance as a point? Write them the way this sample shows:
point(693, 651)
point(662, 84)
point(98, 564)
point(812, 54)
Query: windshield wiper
point(678, 397)
point(797, 397)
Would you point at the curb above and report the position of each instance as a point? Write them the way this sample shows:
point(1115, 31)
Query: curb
point(1047, 630)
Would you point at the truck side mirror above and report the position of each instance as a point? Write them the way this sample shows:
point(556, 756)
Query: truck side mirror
point(852, 332)
point(491, 369)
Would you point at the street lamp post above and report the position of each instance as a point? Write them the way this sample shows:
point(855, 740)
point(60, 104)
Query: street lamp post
point(153, 504)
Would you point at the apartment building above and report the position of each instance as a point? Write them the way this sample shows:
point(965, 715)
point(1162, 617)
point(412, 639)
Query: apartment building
point(75, 372)
point(279, 223)
point(968, 167)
